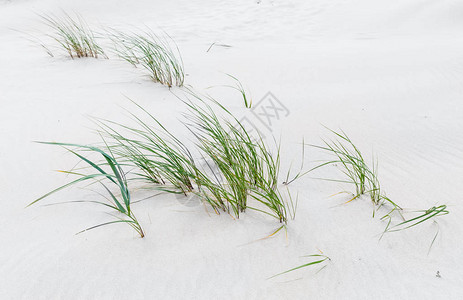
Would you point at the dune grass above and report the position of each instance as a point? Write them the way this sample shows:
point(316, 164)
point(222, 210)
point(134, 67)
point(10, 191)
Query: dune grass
point(240, 173)
point(116, 177)
point(248, 167)
point(159, 56)
point(365, 180)
point(158, 156)
point(236, 168)
point(74, 35)
point(354, 167)
point(351, 160)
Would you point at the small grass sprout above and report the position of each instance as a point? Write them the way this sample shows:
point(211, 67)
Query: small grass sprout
point(319, 258)
point(74, 35)
point(116, 177)
point(159, 56)
point(239, 87)
point(290, 179)
point(423, 216)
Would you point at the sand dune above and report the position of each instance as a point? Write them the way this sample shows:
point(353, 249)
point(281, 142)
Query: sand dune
point(389, 73)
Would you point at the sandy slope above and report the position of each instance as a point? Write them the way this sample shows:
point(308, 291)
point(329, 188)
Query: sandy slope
point(389, 73)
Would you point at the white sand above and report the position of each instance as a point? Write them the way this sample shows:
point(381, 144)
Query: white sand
point(389, 73)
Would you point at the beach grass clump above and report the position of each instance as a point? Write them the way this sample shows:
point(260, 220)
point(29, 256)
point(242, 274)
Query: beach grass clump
point(366, 182)
point(107, 173)
point(236, 168)
point(244, 162)
point(74, 35)
point(159, 56)
point(354, 167)
point(351, 160)
point(158, 156)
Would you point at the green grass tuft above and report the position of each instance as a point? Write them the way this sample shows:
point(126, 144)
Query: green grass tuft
point(236, 167)
point(365, 180)
point(74, 35)
point(115, 176)
point(158, 156)
point(153, 53)
point(248, 166)
point(240, 173)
